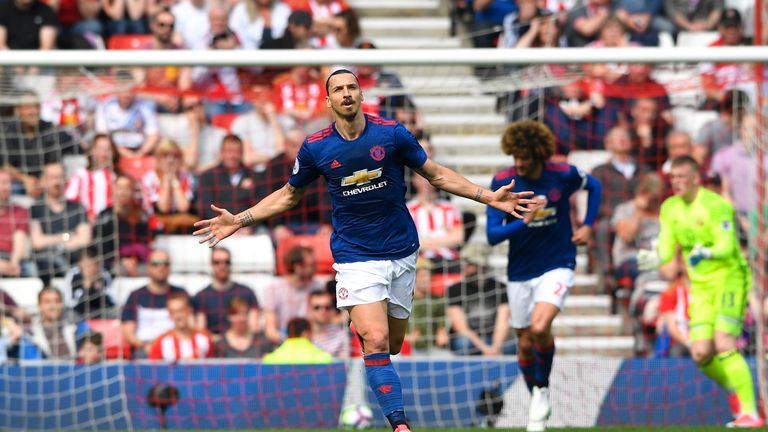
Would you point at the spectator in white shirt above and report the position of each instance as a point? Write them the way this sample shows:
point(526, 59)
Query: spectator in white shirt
point(248, 21)
point(192, 23)
point(131, 121)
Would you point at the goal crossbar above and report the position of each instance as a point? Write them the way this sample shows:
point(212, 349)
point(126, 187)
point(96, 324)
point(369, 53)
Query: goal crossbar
point(90, 58)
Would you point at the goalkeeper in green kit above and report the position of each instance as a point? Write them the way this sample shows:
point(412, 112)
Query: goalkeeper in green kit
point(701, 224)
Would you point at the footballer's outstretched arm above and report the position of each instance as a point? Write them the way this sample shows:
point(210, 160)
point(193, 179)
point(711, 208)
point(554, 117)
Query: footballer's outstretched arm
point(451, 181)
point(225, 224)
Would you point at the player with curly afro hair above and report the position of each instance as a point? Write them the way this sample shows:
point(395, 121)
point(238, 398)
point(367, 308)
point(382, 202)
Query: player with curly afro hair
point(530, 138)
point(542, 251)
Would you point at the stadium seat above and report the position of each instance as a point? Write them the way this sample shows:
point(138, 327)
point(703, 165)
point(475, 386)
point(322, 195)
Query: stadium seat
point(128, 41)
point(586, 160)
point(124, 286)
point(321, 244)
point(250, 254)
point(136, 167)
point(441, 282)
point(23, 291)
point(691, 121)
point(696, 39)
point(224, 121)
point(112, 336)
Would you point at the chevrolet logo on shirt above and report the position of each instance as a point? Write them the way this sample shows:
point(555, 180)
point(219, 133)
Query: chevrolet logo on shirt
point(361, 177)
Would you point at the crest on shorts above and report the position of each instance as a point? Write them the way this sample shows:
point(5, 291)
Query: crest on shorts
point(378, 153)
point(343, 293)
point(296, 167)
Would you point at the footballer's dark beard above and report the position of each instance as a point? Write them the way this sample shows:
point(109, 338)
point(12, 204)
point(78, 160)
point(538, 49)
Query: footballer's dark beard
point(345, 115)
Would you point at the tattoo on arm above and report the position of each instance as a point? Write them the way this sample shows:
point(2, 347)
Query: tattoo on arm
point(246, 219)
point(478, 194)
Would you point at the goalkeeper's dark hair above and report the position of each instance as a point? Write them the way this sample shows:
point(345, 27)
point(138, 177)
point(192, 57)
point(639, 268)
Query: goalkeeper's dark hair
point(297, 326)
point(686, 160)
point(338, 72)
point(529, 137)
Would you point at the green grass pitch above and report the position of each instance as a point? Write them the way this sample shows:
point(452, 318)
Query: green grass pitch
point(599, 429)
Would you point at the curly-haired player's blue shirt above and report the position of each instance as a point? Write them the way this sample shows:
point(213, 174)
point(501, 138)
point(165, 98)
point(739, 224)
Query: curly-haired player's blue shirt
point(545, 243)
point(366, 183)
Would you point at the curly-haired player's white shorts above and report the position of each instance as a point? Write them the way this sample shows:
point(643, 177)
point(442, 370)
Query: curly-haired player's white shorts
point(551, 287)
point(367, 282)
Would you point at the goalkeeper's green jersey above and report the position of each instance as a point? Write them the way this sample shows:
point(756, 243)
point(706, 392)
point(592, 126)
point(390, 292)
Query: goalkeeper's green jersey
point(708, 221)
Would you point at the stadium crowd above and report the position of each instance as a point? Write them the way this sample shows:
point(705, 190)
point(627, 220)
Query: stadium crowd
point(89, 180)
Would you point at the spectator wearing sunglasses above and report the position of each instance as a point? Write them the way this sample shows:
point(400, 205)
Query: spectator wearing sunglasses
point(211, 304)
point(327, 335)
point(145, 316)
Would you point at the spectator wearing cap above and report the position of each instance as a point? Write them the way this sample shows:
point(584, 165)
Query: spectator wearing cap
point(478, 309)
point(718, 78)
point(693, 16)
point(297, 33)
point(27, 25)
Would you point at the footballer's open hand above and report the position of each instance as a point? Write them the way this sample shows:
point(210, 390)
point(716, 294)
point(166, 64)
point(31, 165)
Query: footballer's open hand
point(218, 228)
point(511, 202)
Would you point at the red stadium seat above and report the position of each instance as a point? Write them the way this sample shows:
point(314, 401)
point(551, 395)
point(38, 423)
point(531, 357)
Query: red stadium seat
point(441, 282)
point(224, 121)
point(136, 167)
point(321, 244)
point(112, 334)
point(128, 41)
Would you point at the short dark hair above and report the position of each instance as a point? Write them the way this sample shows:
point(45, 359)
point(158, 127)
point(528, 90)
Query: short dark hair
point(529, 137)
point(295, 256)
point(93, 337)
point(337, 72)
point(297, 326)
point(318, 293)
point(686, 160)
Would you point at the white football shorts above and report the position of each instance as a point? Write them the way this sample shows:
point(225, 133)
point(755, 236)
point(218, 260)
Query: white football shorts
point(367, 282)
point(551, 287)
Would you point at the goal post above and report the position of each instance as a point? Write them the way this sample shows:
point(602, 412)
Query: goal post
point(594, 383)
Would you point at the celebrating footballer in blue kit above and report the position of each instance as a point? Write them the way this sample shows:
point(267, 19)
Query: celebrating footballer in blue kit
point(374, 241)
point(542, 250)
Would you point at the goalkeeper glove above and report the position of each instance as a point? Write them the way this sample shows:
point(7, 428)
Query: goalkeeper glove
point(699, 253)
point(648, 259)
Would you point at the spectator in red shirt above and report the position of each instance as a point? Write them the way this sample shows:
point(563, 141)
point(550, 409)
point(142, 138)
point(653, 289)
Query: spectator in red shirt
point(92, 186)
point(182, 342)
point(673, 317)
point(718, 78)
point(299, 97)
point(635, 84)
point(14, 230)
